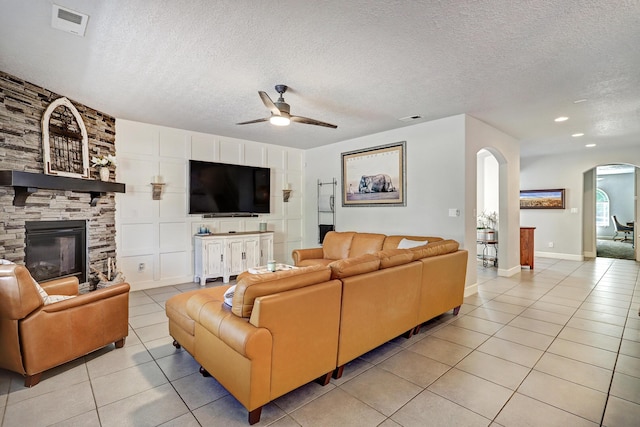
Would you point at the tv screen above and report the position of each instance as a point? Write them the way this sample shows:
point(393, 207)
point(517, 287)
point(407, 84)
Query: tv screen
point(221, 188)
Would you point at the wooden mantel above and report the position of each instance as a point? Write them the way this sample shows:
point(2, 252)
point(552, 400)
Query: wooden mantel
point(26, 183)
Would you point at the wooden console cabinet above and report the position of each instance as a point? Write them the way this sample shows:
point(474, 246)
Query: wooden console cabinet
point(229, 254)
point(526, 246)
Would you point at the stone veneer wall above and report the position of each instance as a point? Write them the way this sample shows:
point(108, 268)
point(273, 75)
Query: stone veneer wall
point(22, 105)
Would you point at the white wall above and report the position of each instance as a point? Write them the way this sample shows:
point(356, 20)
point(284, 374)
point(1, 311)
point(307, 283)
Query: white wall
point(561, 226)
point(506, 151)
point(159, 233)
point(435, 180)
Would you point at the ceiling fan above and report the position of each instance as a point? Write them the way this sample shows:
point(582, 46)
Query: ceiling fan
point(280, 112)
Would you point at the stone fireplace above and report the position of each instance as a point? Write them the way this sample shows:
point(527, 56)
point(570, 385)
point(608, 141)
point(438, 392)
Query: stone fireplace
point(56, 249)
point(22, 105)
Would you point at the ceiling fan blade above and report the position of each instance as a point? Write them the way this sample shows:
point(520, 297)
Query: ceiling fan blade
point(269, 103)
point(309, 121)
point(266, 119)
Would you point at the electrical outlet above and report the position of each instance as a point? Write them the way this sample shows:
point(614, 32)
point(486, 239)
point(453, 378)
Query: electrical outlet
point(550, 244)
point(141, 266)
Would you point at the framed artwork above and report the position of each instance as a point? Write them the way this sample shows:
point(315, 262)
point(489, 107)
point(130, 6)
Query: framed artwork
point(542, 199)
point(375, 176)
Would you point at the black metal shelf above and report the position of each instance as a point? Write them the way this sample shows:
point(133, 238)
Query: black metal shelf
point(27, 183)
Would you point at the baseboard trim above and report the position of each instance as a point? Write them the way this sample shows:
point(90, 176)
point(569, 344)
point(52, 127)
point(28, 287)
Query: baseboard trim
point(555, 255)
point(141, 286)
point(470, 290)
point(509, 272)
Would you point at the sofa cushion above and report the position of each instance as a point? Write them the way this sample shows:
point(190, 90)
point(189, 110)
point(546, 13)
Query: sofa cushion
point(366, 243)
point(391, 242)
point(435, 248)
point(336, 244)
point(251, 286)
point(353, 266)
point(393, 257)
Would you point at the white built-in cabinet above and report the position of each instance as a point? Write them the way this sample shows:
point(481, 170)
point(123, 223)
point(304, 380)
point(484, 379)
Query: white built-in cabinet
point(225, 255)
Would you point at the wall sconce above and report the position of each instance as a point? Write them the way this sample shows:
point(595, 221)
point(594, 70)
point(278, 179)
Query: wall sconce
point(286, 192)
point(157, 187)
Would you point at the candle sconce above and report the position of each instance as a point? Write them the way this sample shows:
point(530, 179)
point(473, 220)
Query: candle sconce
point(285, 195)
point(156, 191)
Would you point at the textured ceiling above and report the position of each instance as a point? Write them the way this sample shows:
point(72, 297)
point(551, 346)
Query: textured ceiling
point(360, 64)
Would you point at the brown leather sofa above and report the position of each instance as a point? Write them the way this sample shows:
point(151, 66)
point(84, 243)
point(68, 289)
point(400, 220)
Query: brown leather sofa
point(280, 332)
point(348, 244)
point(287, 328)
point(378, 279)
point(35, 337)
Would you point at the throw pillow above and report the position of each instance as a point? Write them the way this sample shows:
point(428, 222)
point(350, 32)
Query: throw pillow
point(408, 244)
point(50, 299)
point(228, 296)
point(43, 294)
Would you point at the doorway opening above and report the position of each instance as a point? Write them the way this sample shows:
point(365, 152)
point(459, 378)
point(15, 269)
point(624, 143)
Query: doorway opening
point(487, 208)
point(615, 211)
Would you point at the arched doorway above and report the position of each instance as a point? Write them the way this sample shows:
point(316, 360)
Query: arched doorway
point(487, 208)
point(610, 191)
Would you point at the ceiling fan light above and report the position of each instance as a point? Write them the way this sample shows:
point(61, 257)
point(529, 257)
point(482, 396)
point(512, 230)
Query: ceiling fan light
point(279, 120)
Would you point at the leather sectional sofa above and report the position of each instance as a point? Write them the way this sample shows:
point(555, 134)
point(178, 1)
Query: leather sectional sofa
point(285, 329)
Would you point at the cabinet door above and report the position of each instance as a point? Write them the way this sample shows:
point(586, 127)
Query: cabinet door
point(251, 252)
point(266, 248)
point(213, 259)
point(235, 253)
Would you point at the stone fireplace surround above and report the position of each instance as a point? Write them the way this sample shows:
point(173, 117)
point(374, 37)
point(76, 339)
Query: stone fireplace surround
point(22, 105)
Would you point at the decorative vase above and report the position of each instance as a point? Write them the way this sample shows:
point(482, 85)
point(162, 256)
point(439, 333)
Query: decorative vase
point(104, 174)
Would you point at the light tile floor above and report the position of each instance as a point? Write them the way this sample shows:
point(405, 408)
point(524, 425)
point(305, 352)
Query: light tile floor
point(557, 346)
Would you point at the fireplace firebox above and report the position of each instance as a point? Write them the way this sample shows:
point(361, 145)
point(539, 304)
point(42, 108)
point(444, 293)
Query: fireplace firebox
point(56, 249)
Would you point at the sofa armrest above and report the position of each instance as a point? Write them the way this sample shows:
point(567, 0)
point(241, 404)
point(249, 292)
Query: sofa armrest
point(63, 286)
point(302, 254)
point(211, 313)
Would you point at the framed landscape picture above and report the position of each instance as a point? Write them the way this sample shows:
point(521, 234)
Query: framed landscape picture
point(375, 176)
point(542, 199)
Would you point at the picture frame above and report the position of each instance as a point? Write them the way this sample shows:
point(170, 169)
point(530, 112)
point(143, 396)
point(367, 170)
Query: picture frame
point(542, 199)
point(375, 176)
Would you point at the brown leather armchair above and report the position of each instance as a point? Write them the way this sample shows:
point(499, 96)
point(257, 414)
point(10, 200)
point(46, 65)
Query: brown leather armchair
point(35, 337)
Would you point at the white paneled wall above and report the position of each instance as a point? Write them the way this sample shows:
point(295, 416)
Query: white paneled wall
point(155, 237)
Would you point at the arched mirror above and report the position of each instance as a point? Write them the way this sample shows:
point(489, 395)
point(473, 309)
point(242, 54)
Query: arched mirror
point(64, 141)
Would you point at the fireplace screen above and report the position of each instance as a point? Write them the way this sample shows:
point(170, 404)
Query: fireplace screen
point(56, 249)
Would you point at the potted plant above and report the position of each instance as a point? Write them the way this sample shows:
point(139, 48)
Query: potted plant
point(103, 163)
point(486, 226)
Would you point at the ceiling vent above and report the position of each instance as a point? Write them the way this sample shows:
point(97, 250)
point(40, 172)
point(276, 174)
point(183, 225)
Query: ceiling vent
point(69, 20)
point(410, 118)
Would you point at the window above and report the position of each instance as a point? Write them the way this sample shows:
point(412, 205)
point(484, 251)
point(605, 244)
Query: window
point(602, 208)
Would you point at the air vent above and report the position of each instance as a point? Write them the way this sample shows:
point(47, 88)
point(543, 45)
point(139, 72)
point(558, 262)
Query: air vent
point(410, 118)
point(69, 20)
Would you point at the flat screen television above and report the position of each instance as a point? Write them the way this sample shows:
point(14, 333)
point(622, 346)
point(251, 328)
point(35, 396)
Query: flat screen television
point(226, 189)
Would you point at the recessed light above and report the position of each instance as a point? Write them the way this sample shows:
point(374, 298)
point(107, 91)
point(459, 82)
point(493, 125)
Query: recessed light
point(578, 101)
point(590, 145)
point(561, 119)
point(576, 135)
